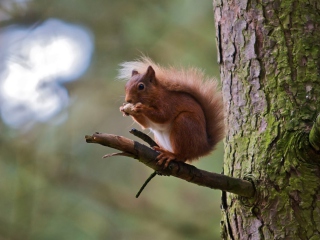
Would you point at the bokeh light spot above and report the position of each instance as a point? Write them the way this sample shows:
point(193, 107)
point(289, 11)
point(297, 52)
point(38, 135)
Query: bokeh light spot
point(33, 65)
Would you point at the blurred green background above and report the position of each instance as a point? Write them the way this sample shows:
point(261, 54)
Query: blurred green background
point(53, 185)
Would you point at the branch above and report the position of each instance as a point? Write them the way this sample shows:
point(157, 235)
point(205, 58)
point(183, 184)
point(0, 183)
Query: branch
point(314, 136)
point(177, 169)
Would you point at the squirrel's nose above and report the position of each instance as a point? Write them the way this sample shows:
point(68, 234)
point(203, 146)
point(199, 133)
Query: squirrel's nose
point(128, 100)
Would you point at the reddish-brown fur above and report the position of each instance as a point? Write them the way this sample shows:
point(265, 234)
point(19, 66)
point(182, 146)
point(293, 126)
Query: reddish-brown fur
point(175, 103)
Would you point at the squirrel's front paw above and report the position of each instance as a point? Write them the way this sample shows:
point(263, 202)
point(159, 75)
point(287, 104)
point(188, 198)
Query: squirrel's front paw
point(138, 106)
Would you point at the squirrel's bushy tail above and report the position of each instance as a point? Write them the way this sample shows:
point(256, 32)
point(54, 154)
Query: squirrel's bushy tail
point(191, 81)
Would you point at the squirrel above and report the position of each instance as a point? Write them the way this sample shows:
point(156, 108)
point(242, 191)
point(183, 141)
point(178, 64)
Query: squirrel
point(182, 108)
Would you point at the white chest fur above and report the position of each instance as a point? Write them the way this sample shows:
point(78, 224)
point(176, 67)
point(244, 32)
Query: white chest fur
point(162, 134)
point(163, 139)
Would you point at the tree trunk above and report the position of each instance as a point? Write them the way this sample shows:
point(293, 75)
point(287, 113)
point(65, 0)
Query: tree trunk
point(269, 53)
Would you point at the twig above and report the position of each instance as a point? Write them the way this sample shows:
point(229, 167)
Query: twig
point(118, 154)
point(177, 169)
point(146, 183)
point(144, 137)
point(151, 143)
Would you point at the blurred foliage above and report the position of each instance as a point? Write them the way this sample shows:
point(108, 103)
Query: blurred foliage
point(53, 185)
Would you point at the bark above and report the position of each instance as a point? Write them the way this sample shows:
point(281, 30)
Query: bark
point(269, 53)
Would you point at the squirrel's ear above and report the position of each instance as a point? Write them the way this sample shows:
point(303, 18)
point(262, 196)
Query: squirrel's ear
point(151, 74)
point(134, 72)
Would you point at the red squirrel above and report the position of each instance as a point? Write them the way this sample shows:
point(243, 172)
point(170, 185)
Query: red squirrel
point(182, 108)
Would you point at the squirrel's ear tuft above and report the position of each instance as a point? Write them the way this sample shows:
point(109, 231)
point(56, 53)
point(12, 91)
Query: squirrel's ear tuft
point(151, 74)
point(134, 72)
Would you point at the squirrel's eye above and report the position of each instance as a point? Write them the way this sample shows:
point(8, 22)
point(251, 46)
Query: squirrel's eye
point(141, 86)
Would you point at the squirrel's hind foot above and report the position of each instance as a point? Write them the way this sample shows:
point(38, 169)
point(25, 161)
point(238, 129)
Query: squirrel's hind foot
point(165, 157)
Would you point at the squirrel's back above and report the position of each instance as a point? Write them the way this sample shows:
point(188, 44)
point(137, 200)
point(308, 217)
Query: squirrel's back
point(191, 81)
